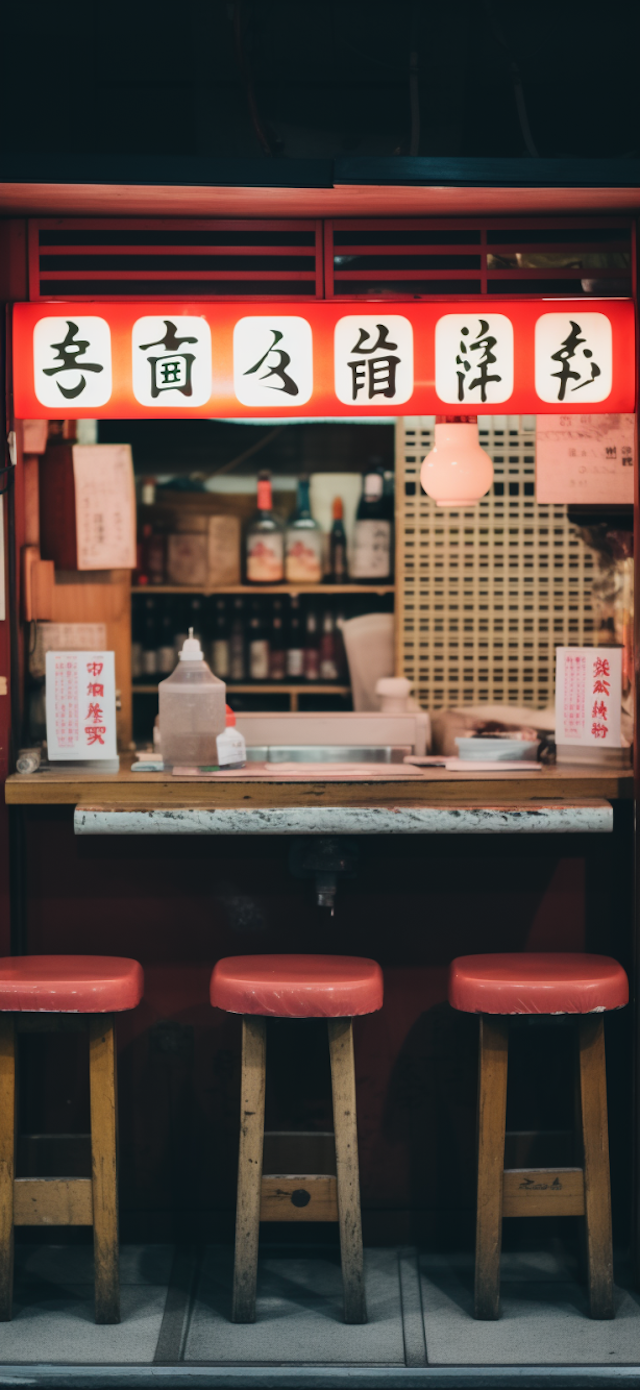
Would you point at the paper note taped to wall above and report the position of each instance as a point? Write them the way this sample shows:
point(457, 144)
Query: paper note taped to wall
point(105, 506)
point(81, 706)
point(589, 696)
point(585, 458)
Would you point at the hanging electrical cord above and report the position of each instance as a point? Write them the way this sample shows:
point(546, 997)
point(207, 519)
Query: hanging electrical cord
point(239, 26)
point(516, 80)
point(414, 86)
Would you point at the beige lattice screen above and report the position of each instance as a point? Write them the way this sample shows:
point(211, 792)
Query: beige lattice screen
point(486, 593)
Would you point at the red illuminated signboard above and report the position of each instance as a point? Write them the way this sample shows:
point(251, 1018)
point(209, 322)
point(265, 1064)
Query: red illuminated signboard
point(188, 359)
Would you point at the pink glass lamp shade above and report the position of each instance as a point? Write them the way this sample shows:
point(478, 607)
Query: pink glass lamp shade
point(457, 472)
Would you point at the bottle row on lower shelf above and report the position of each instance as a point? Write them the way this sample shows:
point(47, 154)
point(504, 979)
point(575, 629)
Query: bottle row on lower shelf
point(268, 642)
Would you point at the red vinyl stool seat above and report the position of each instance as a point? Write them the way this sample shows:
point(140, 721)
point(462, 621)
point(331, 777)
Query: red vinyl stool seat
point(495, 987)
point(542, 982)
point(69, 984)
point(60, 994)
point(296, 986)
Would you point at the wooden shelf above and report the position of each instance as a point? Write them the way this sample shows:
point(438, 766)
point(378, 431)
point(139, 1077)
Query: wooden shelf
point(256, 589)
point(266, 688)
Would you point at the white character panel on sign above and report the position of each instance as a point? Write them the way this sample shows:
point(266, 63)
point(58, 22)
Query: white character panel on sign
point(171, 360)
point(574, 357)
point(273, 360)
point(474, 359)
point(373, 359)
point(72, 361)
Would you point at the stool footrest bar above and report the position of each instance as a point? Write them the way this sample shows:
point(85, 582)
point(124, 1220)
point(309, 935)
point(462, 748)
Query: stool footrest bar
point(543, 1192)
point(299, 1197)
point(52, 1202)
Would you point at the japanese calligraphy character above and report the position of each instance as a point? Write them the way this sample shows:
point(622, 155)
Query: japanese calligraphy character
point(599, 730)
point(94, 712)
point(484, 342)
point(601, 666)
point(601, 687)
point(94, 733)
point(278, 369)
point(573, 356)
point(599, 710)
point(373, 359)
point(95, 668)
point(378, 372)
point(474, 359)
point(95, 689)
point(69, 350)
point(173, 371)
point(565, 355)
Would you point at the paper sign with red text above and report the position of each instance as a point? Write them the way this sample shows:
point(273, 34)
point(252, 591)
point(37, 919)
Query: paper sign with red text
point(589, 696)
point(81, 706)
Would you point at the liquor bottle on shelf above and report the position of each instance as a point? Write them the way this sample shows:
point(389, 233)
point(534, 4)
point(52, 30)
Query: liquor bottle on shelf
point(295, 641)
point(221, 644)
point(328, 666)
point(264, 540)
point(182, 622)
point(156, 557)
point(311, 648)
point(197, 618)
point(342, 664)
point(258, 645)
point(141, 575)
point(277, 651)
point(338, 546)
point(303, 542)
point(165, 650)
point(149, 640)
point(237, 657)
point(137, 629)
point(371, 557)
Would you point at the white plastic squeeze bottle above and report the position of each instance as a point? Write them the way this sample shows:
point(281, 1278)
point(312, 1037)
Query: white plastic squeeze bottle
point(232, 749)
point(192, 710)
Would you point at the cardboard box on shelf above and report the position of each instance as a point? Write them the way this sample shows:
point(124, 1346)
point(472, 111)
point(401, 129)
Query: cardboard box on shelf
point(217, 538)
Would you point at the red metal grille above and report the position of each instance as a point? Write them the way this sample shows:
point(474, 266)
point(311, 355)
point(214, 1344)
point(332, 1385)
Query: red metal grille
point(121, 258)
point(420, 258)
point(88, 258)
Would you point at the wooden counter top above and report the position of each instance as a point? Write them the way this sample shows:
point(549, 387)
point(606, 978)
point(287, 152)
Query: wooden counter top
point(433, 787)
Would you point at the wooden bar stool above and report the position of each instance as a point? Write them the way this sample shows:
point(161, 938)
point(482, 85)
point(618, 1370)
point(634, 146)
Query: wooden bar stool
point(48, 994)
point(495, 986)
point(336, 988)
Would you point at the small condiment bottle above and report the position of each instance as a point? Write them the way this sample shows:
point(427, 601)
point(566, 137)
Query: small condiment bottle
point(232, 749)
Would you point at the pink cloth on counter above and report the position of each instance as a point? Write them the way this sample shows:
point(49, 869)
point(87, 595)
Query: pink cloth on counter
point(544, 982)
point(297, 986)
point(69, 984)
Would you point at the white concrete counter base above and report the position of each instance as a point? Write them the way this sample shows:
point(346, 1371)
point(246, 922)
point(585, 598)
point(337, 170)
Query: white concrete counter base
point(585, 817)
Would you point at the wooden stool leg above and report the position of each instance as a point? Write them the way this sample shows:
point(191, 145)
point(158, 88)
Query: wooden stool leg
point(597, 1183)
point(245, 1270)
point(7, 1160)
point(492, 1114)
point(343, 1085)
point(102, 1082)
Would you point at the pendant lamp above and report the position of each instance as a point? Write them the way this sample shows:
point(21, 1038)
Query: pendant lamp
point(456, 472)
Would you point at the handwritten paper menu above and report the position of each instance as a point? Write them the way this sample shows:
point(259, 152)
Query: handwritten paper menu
point(105, 506)
point(585, 458)
point(81, 706)
point(589, 696)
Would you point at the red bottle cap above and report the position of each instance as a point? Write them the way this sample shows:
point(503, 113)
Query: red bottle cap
point(264, 495)
point(337, 509)
point(231, 718)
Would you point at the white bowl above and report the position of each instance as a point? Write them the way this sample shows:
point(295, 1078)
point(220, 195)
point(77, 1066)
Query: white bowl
point(496, 749)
